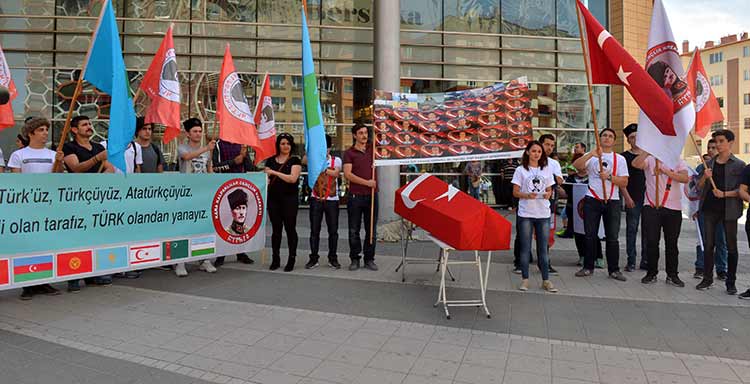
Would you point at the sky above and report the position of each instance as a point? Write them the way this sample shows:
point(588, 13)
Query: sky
point(702, 20)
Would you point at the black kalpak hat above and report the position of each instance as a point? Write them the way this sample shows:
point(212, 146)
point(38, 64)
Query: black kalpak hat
point(192, 122)
point(633, 127)
point(236, 198)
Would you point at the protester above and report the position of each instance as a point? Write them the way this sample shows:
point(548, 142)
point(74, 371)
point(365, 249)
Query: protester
point(153, 159)
point(580, 177)
point(2, 161)
point(35, 158)
point(579, 148)
point(614, 175)
point(195, 158)
point(633, 198)
point(720, 250)
point(548, 143)
point(325, 202)
point(21, 141)
point(473, 169)
point(532, 185)
point(721, 205)
point(745, 195)
point(133, 157)
point(283, 172)
point(358, 170)
point(508, 168)
point(662, 212)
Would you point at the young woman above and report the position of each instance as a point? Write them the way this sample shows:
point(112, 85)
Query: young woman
point(532, 185)
point(283, 173)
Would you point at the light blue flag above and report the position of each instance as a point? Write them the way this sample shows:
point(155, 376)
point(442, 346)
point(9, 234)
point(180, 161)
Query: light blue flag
point(315, 133)
point(105, 69)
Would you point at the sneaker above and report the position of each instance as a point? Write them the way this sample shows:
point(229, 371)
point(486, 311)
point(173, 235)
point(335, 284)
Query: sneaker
point(207, 266)
point(371, 265)
point(721, 275)
point(704, 284)
point(27, 294)
point(49, 290)
point(74, 286)
point(311, 264)
point(132, 274)
point(674, 280)
point(334, 264)
point(698, 274)
point(102, 281)
point(643, 266)
point(547, 286)
point(244, 259)
point(552, 271)
point(180, 270)
point(599, 263)
point(524, 285)
point(617, 275)
point(583, 272)
point(354, 265)
point(580, 262)
point(731, 289)
point(517, 270)
point(630, 268)
point(561, 232)
point(745, 295)
point(648, 279)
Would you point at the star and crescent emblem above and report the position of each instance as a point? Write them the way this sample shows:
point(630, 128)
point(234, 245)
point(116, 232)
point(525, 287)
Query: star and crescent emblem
point(621, 74)
point(410, 204)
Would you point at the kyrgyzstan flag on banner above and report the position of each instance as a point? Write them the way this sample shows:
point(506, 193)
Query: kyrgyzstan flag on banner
point(707, 110)
point(6, 111)
point(265, 123)
point(610, 63)
point(74, 263)
point(162, 86)
point(665, 67)
point(232, 111)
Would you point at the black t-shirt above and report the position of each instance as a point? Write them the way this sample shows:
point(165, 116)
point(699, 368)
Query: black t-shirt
point(83, 154)
point(745, 179)
point(713, 203)
point(636, 180)
point(278, 187)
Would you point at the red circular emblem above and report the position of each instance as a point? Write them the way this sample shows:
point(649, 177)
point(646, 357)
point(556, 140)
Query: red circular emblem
point(235, 225)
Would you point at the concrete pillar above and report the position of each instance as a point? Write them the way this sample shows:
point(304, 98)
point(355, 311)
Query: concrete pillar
point(387, 77)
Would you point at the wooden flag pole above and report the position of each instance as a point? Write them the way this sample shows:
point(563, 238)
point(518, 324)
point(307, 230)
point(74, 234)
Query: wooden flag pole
point(656, 174)
point(372, 192)
point(591, 99)
point(705, 166)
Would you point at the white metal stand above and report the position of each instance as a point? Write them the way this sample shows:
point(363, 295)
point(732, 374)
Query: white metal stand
point(407, 229)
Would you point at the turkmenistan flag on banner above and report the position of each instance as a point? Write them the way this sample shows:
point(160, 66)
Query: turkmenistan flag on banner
point(315, 133)
point(174, 249)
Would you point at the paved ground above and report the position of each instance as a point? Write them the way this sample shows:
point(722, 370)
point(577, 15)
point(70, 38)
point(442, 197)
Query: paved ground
point(246, 324)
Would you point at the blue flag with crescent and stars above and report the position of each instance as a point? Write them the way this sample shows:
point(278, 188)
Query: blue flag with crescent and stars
point(105, 69)
point(315, 133)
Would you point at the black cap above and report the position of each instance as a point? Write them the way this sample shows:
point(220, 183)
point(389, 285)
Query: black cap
point(236, 198)
point(192, 122)
point(633, 127)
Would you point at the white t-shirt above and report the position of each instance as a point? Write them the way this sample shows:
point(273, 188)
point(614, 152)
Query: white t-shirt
point(674, 198)
point(611, 162)
point(2, 158)
point(554, 166)
point(31, 160)
point(334, 183)
point(133, 156)
point(534, 180)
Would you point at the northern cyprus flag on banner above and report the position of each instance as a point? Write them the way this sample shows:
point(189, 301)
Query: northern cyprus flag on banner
point(665, 67)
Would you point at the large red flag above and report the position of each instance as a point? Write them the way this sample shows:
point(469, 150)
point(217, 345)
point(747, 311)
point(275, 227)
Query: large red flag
point(612, 64)
point(162, 86)
point(232, 111)
point(264, 120)
point(707, 110)
point(6, 111)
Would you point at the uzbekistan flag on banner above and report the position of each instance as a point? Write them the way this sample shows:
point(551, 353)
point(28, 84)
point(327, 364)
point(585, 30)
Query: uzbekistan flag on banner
point(4, 272)
point(162, 86)
point(315, 133)
point(32, 268)
point(74, 263)
point(145, 254)
point(174, 249)
point(111, 258)
point(203, 246)
point(105, 69)
point(6, 111)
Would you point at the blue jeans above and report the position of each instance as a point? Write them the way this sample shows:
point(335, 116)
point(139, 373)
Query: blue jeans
point(721, 247)
point(632, 220)
point(526, 227)
point(595, 210)
point(474, 192)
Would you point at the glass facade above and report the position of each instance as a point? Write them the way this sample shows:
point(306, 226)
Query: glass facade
point(445, 44)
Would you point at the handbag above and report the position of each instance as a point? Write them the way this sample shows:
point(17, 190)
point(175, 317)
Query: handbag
point(325, 183)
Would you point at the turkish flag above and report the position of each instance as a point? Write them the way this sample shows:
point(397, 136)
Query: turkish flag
point(452, 216)
point(232, 111)
point(4, 272)
point(610, 63)
point(707, 110)
point(6, 111)
point(162, 86)
point(265, 123)
point(74, 263)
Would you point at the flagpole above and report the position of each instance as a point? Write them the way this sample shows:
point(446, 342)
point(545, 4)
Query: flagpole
point(372, 193)
point(591, 99)
point(656, 174)
point(705, 166)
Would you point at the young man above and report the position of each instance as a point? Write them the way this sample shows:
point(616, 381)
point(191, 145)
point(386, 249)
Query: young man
point(612, 176)
point(549, 143)
point(745, 195)
point(195, 158)
point(720, 251)
point(328, 206)
point(579, 148)
point(35, 158)
point(358, 169)
point(661, 212)
point(721, 205)
point(2, 161)
point(133, 157)
point(633, 197)
point(153, 159)
point(84, 156)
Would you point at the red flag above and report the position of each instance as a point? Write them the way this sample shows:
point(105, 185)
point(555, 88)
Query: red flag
point(74, 263)
point(232, 111)
point(4, 272)
point(162, 86)
point(707, 110)
point(610, 63)
point(266, 124)
point(6, 111)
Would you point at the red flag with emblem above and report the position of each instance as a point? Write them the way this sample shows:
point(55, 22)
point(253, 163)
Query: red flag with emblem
point(610, 63)
point(265, 123)
point(232, 111)
point(162, 86)
point(707, 110)
point(6, 111)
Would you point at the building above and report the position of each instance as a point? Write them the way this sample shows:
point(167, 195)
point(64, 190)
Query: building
point(444, 44)
point(727, 65)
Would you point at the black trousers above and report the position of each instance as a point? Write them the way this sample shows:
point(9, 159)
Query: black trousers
point(358, 209)
point(319, 209)
point(595, 211)
point(710, 221)
point(654, 222)
point(282, 210)
point(581, 245)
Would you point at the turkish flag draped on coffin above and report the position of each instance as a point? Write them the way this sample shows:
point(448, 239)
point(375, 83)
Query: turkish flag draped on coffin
point(452, 216)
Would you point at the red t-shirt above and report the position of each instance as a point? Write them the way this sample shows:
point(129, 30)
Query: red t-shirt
point(361, 166)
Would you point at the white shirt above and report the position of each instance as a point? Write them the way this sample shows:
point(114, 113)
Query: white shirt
point(30, 160)
point(609, 162)
point(2, 158)
point(554, 166)
point(334, 183)
point(534, 180)
point(133, 156)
